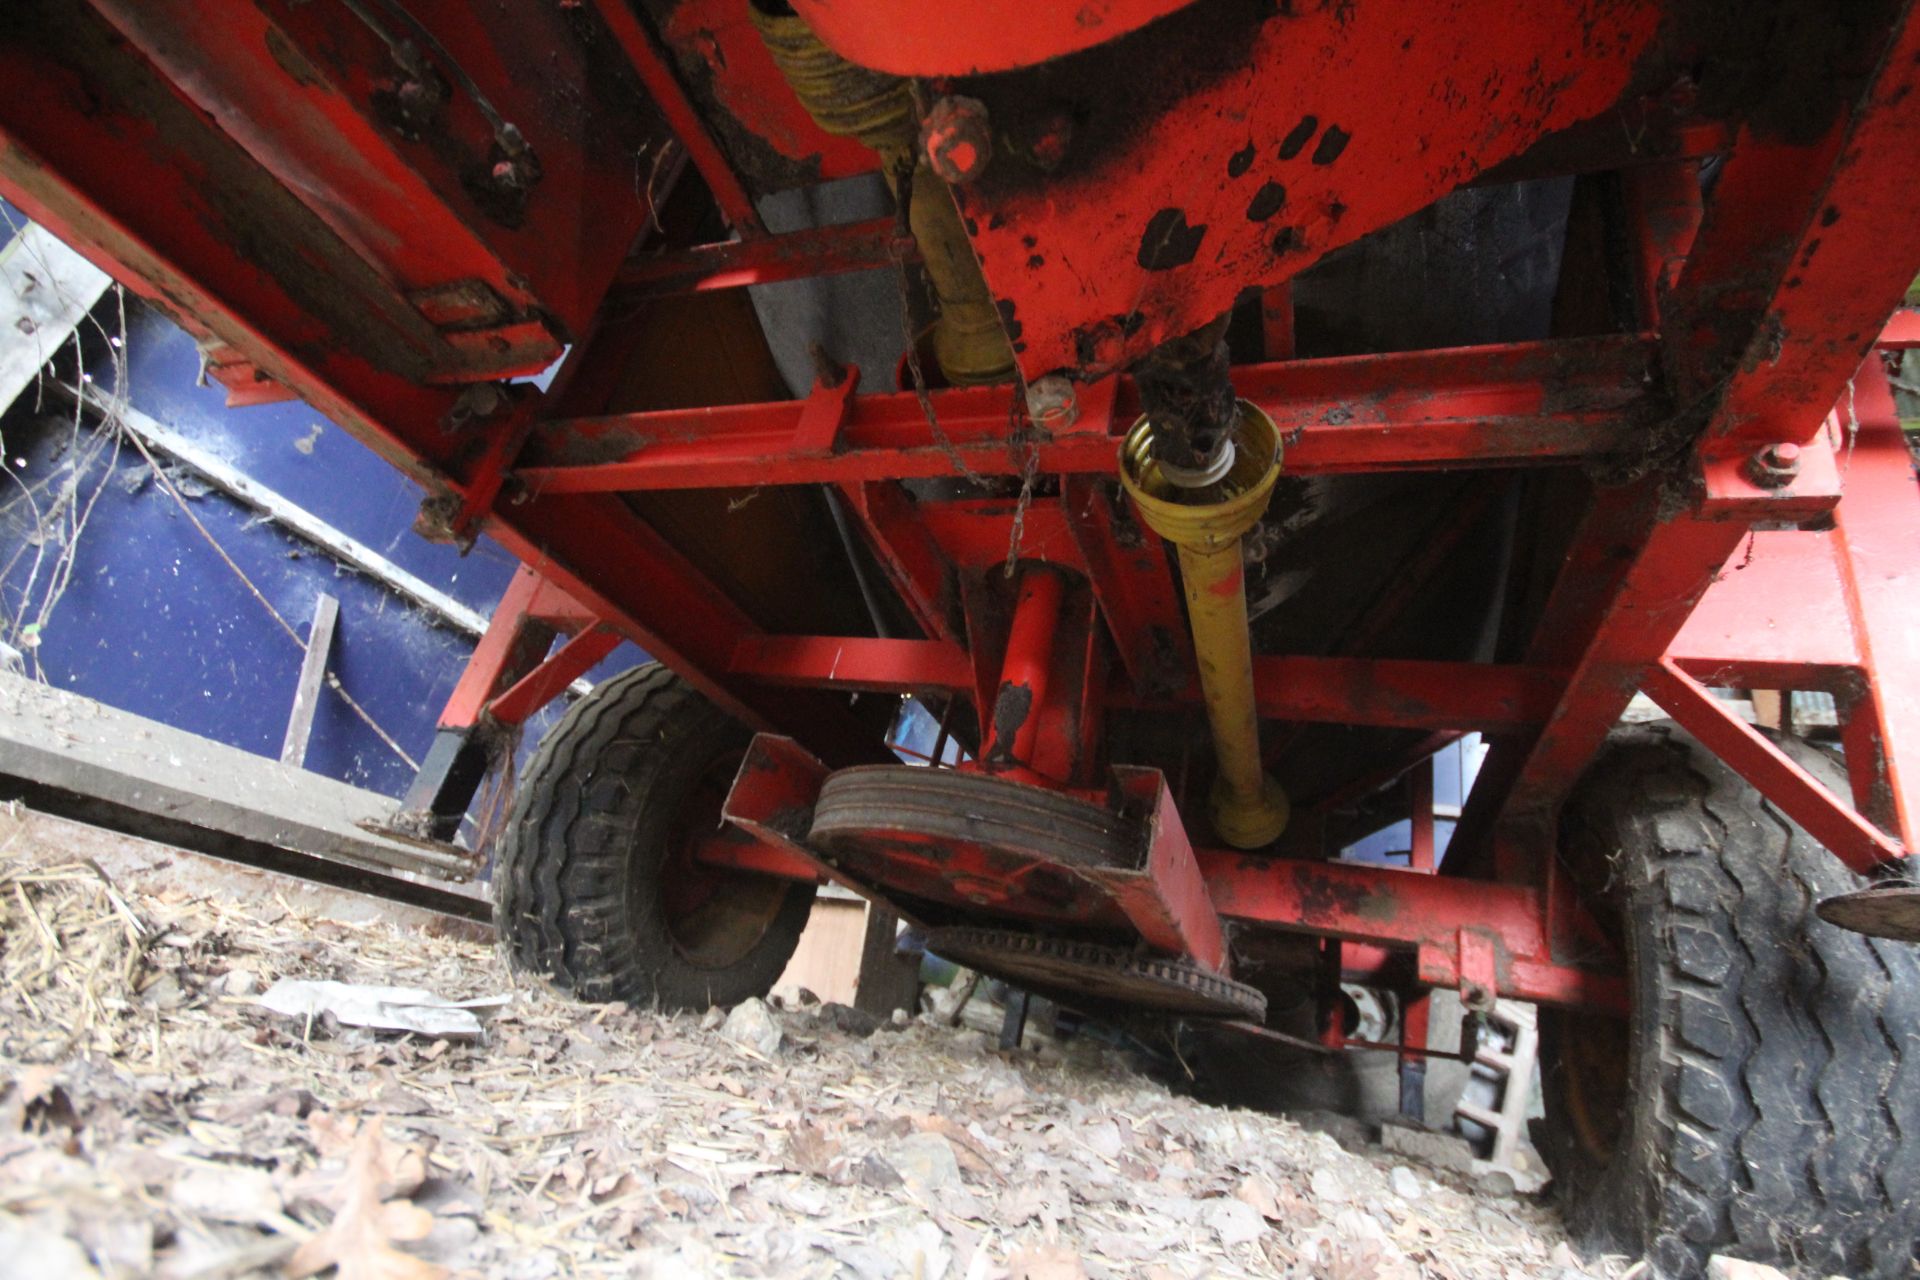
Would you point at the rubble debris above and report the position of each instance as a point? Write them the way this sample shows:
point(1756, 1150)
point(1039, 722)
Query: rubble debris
point(383, 1008)
point(200, 1134)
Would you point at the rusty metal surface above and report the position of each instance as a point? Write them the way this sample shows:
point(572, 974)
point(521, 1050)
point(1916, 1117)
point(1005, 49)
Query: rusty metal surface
point(1082, 973)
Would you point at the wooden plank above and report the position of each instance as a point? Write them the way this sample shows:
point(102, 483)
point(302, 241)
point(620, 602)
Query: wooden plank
point(46, 290)
point(313, 673)
point(67, 754)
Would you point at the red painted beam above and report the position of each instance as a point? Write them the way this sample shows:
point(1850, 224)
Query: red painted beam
point(794, 255)
point(854, 662)
point(1903, 331)
point(1361, 903)
point(1391, 693)
point(1395, 693)
point(548, 680)
point(1799, 795)
point(1522, 404)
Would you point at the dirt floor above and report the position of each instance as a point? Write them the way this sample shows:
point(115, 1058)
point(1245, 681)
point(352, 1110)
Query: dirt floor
point(157, 1120)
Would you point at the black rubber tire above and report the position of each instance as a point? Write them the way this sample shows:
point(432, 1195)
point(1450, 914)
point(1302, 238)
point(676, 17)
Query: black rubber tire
point(1771, 1105)
point(580, 891)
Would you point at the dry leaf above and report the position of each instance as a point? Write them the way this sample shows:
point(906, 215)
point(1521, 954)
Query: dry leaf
point(366, 1224)
point(1045, 1262)
point(810, 1150)
point(1348, 1261)
point(1257, 1192)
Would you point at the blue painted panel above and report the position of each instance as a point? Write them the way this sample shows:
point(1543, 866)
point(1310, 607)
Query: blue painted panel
point(154, 622)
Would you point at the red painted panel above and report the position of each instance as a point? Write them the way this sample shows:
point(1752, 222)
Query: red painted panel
point(1248, 172)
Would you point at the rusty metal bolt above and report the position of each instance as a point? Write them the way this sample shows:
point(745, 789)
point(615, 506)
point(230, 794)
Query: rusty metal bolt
point(957, 139)
point(1775, 466)
point(1050, 141)
point(1052, 404)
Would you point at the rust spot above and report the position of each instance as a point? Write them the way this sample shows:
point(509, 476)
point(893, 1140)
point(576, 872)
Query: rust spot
point(1168, 241)
point(1011, 707)
point(1298, 137)
point(1332, 143)
point(1266, 202)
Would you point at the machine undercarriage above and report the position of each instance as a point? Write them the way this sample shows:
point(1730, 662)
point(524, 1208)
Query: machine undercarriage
point(1206, 410)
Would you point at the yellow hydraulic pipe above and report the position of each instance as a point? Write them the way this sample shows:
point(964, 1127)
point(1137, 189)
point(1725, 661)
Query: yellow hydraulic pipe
point(1205, 522)
point(968, 339)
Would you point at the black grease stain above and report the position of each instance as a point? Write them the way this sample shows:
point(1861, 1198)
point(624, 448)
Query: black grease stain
point(1240, 161)
point(1829, 216)
point(1266, 202)
point(995, 221)
point(1287, 240)
point(1332, 143)
point(1168, 241)
point(1296, 141)
point(1035, 262)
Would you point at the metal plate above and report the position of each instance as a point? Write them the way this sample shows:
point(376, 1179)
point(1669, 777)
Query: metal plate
point(1892, 912)
point(1079, 973)
point(975, 842)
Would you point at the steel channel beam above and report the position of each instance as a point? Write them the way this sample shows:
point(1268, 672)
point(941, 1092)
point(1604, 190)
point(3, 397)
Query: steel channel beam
point(1521, 404)
point(1408, 909)
point(1386, 692)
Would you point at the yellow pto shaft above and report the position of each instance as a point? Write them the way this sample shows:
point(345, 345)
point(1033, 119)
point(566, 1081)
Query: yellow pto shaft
point(1204, 513)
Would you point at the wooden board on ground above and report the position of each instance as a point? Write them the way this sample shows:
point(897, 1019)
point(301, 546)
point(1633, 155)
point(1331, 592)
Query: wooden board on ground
point(72, 756)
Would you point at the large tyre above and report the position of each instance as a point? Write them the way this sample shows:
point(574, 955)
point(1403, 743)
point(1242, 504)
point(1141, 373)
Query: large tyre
point(1763, 1100)
point(596, 885)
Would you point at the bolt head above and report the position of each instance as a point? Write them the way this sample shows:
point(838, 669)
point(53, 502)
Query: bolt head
point(1774, 466)
point(958, 139)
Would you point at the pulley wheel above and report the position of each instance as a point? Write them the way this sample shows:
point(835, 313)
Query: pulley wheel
point(1078, 973)
point(975, 842)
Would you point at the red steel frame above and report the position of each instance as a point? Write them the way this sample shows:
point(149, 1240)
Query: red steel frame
point(1758, 311)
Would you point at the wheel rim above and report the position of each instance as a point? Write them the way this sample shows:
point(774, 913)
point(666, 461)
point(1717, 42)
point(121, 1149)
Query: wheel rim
point(1594, 1064)
point(713, 916)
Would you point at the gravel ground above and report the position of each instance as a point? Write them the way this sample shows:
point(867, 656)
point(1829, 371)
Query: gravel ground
point(157, 1120)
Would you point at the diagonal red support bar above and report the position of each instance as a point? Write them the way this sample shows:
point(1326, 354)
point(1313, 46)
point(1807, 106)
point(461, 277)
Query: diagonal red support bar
point(1127, 564)
point(1853, 839)
point(545, 682)
point(656, 76)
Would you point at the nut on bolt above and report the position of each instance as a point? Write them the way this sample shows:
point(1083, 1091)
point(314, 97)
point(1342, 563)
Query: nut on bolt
point(957, 139)
point(1775, 466)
